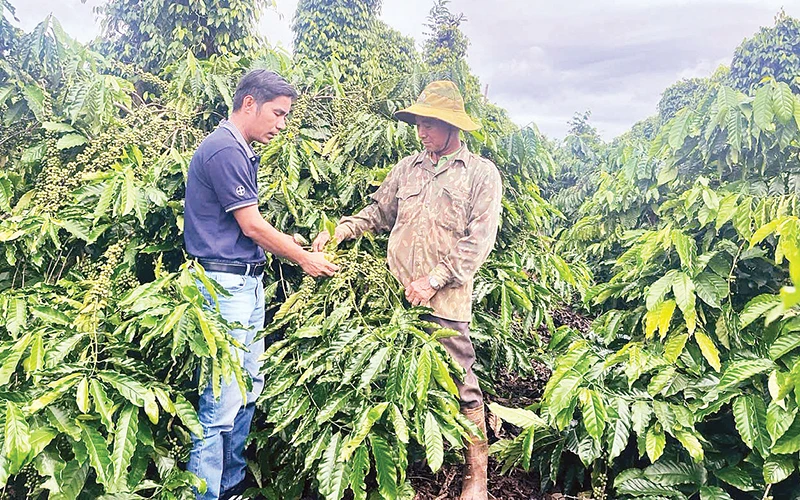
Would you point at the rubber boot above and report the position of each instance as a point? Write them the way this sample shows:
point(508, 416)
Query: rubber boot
point(477, 459)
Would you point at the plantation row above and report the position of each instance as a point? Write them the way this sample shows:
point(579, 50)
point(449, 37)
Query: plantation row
point(680, 240)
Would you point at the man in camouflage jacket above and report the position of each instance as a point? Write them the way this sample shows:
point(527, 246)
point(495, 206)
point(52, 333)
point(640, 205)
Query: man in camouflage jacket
point(442, 207)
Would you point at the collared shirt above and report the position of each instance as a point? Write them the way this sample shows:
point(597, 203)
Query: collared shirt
point(446, 158)
point(228, 125)
point(443, 223)
point(221, 180)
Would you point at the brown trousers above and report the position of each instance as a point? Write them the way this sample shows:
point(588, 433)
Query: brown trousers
point(460, 347)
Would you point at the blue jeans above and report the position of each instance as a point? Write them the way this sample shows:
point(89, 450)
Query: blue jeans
point(219, 456)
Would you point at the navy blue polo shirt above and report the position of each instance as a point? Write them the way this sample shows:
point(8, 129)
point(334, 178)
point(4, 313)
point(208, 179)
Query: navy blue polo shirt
point(222, 179)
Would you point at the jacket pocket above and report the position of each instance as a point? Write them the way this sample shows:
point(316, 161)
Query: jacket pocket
point(408, 202)
point(454, 206)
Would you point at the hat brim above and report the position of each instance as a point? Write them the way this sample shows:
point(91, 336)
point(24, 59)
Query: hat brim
point(455, 118)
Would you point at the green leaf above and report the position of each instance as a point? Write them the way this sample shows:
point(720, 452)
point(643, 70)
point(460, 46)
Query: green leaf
point(757, 307)
point(622, 430)
point(655, 441)
point(641, 487)
point(82, 395)
point(71, 480)
point(423, 374)
point(331, 472)
point(680, 127)
point(375, 365)
point(784, 344)
point(687, 249)
point(727, 209)
point(39, 440)
point(124, 445)
point(70, 141)
point(594, 412)
point(777, 468)
point(386, 472)
point(362, 428)
point(11, 362)
point(708, 349)
point(16, 440)
point(790, 441)
point(659, 289)
point(762, 109)
point(57, 127)
point(359, 467)
point(129, 388)
point(711, 289)
point(742, 370)
point(442, 374)
point(434, 446)
point(750, 416)
point(102, 404)
point(674, 346)
point(51, 316)
point(188, 415)
point(690, 442)
point(520, 417)
point(669, 473)
point(713, 493)
point(399, 423)
point(683, 288)
point(333, 405)
point(57, 389)
point(563, 394)
point(783, 102)
point(98, 454)
point(779, 420)
point(736, 477)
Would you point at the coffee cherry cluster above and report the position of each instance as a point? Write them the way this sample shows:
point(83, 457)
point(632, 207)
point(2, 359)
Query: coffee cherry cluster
point(299, 112)
point(126, 281)
point(599, 485)
point(176, 448)
point(31, 477)
point(101, 290)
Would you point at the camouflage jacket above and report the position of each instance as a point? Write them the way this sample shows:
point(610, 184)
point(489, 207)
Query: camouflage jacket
point(443, 223)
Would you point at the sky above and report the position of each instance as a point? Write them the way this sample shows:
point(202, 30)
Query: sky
point(544, 60)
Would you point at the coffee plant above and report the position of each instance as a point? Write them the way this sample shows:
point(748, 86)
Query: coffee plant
point(105, 335)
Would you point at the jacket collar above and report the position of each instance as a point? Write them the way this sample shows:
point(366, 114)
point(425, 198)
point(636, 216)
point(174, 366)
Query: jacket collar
point(460, 159)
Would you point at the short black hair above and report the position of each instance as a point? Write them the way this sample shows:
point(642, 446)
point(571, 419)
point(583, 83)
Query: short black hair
point(263, 85)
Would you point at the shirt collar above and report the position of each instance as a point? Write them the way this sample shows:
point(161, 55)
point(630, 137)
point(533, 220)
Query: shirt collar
point(459, 156)
point(230, 127)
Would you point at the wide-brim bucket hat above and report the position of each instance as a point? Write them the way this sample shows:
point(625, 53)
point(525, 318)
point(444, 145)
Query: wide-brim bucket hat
point(440, 100)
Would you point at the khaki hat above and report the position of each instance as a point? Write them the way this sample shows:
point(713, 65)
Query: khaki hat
point(440, 100)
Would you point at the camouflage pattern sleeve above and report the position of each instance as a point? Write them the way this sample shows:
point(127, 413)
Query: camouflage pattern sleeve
point(469, 252)
point(378, 216)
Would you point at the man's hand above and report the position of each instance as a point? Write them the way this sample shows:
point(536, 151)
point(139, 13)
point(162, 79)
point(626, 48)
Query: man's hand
point(420, 292)
point(323, 238)
point(315, 264)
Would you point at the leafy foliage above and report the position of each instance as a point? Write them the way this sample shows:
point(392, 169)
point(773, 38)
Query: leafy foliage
point(773, 52)
point(154, 34)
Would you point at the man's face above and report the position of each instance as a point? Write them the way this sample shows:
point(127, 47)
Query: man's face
point(266, 120)
point(434, 133)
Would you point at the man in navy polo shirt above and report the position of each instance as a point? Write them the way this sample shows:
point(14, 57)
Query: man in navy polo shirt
point(226, 234)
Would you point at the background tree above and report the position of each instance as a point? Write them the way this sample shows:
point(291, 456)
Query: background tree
point(153, 34)
point(686, 92)
point(773, 51)
point(446, 43)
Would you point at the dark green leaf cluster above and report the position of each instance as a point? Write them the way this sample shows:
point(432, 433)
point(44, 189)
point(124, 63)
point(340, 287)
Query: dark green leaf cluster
point(773, 52)
point(154, 34)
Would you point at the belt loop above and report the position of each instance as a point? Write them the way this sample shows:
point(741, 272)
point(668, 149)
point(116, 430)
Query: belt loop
point(247, 270)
